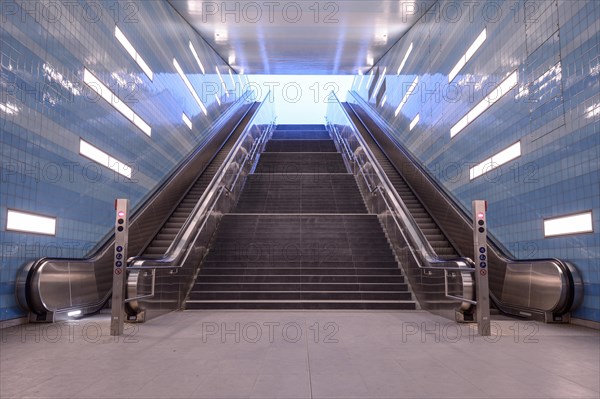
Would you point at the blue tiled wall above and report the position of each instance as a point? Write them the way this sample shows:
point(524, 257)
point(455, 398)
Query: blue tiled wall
point(554, 111)
point(46, 109)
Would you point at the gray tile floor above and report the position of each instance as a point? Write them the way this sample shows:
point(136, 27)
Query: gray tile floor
point(304, 354)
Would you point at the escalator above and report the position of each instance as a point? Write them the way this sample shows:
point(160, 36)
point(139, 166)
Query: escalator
point(543, 289)
point(165, 237)
point(51, 286)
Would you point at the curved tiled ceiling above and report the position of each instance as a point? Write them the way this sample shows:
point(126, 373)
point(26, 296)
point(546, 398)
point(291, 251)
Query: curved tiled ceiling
point(292, 37)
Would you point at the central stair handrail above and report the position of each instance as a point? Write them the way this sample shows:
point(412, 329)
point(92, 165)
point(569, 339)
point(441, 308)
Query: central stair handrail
point(379, 184)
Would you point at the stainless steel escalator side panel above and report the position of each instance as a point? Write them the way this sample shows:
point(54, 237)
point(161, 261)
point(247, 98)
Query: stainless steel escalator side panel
point(51, 285)
point(545, 288)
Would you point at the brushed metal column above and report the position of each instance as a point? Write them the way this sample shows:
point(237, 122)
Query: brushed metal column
point(117, 319)
point(480, 256)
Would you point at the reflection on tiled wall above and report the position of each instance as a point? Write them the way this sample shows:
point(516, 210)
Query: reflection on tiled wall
point(127, 110)
point(552, 109)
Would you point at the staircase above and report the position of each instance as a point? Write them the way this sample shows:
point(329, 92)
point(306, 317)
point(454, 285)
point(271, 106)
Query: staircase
point(425, 222)
point(300, 237)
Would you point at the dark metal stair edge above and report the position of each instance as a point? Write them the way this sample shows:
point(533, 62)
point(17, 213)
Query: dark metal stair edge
point(198, 269)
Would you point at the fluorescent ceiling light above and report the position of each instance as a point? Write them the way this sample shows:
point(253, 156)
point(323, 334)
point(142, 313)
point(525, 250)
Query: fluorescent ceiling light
point(404, 59)
point(104, 159)
point(572, 224)
point(222, 81)
point(370, 79)
point(30, 223)
point(188, 84)
point(74, 313)
point(379, 83)
point(467, 56)
point(408, 93)
point(133, 53)
point(186, 120)
point(103, 91)
point(496, 94)
point(414, 122)
point(231, 76)
point(383, 100)
point(195, 54)
point(495, 161)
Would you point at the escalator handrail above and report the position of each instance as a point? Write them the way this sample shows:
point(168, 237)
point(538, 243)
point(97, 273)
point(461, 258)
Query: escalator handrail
point(147, 199)
point(572, 277)
point(196, 220)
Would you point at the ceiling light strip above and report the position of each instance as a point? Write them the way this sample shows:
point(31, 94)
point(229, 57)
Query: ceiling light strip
point(379, 83)
point(133, 52)
point(195, 54)
point(496, 94)
point(408, 93)
point(222, 81)
point(467, 56)
point(103, 91)
point(97, 155)
point(186, 120)
point(404, 59)
point(414, 122)
point(495, 161)
point(231, 76)
point(370, 78)
point(188, 84)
